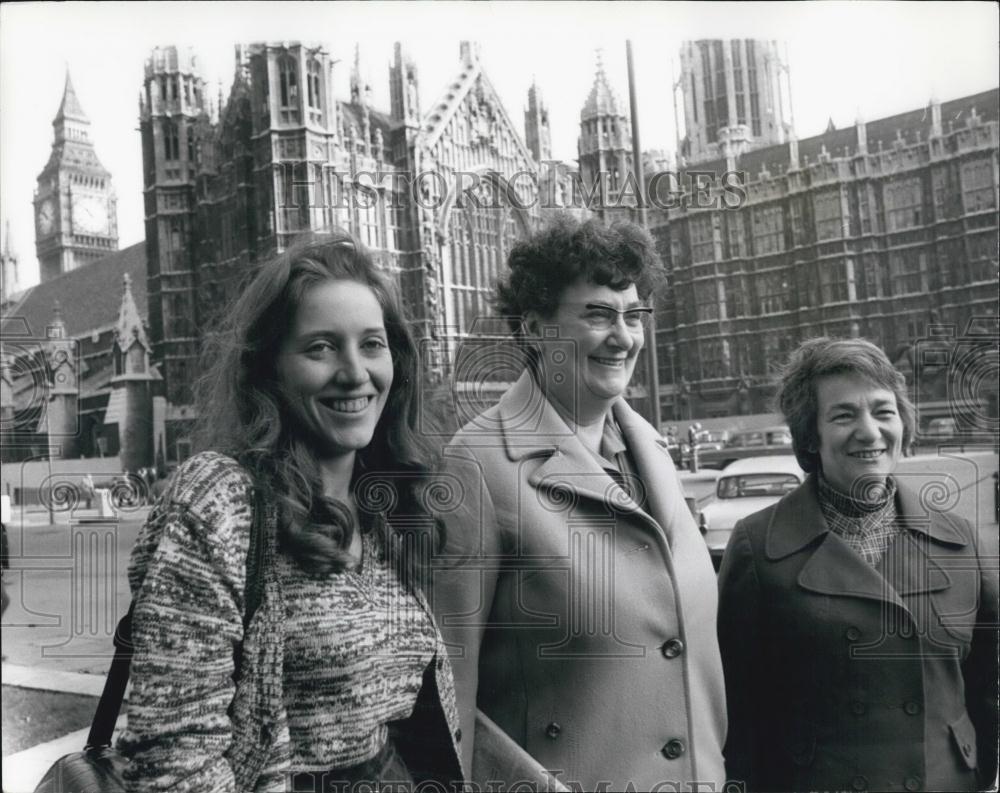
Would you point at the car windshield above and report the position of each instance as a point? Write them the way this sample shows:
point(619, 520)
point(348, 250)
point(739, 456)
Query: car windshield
point(756, 485)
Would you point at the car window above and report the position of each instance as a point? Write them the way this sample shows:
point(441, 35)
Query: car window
point(750, 485)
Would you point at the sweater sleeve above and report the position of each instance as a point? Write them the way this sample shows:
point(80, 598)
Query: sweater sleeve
point(187, 574)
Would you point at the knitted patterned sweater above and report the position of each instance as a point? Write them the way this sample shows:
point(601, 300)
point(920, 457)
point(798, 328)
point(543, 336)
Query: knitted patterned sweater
point(190, 728)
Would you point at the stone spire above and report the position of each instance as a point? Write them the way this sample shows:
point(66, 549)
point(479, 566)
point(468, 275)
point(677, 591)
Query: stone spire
point(537, 133)
point(57, 328)
point(602, 100)
point(361, 89)
point(70, 107)
point(8, 271)
point(129, 329)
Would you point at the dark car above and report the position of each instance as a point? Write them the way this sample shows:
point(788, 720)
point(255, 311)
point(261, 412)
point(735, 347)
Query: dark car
point(748, 443)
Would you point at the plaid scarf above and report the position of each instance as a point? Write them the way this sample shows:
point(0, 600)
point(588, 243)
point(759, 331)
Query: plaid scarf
point(866, 526)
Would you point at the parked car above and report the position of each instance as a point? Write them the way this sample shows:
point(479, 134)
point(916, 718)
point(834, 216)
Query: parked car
point(744, 487)
point(944, 427)
point(748, 443)
point(712, 440)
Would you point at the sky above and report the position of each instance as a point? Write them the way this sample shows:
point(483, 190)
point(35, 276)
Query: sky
point(846, 60)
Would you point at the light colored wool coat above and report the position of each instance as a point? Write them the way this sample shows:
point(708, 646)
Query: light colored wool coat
point(190, 728)
point(559, 595)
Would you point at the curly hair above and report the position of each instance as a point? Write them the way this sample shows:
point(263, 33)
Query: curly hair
point(565, 250)
point(798, 401)
point(242, 413)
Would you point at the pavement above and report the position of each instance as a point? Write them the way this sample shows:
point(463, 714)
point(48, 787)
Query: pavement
point(68, 588)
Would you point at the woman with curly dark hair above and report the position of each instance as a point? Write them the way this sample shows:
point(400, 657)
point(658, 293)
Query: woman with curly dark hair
point(308, 419)
point(581, 598)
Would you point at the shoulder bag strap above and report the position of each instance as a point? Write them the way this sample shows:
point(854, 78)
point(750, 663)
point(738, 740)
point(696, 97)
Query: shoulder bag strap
point(110, 705)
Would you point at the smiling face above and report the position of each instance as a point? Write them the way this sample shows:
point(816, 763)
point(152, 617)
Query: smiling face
point(587, 382)
point(335, 367)
point(860, 430)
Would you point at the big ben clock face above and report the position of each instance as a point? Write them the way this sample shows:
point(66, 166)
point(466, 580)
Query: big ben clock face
point(46, 216)
point(90, 215)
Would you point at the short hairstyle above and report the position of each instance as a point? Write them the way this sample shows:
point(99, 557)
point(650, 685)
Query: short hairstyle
point(242, 412)
point(798, 401)
point(565, 250)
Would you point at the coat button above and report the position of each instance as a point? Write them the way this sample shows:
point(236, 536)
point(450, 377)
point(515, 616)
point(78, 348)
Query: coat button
point(458, 735)
point(553, 730)
point(859, 783)
point(673, 749)
point(912, 783)
point(966, 749)
point(858, 708)
point(439, 663)
point(852, 634)
point(672, 648)
point(912, 708)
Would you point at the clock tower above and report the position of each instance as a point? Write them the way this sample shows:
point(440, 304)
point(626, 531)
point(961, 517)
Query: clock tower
point(76, 219)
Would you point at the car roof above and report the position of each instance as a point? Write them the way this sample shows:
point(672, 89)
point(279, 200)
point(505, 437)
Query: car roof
point(770, 464)
point(773, 428)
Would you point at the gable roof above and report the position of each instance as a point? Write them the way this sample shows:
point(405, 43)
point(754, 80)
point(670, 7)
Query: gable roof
point(89, 297)
point(436, 119)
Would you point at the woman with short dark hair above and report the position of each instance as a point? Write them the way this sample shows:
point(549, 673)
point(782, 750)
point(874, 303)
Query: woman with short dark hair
point(308, 417)
point(857, 624)
point(581, 600)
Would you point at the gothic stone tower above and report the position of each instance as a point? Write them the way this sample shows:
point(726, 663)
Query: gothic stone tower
point(171, 105)
point(605, 143)
point(131, 386)
point(76, 219)
point(62, 411)
point(537, 135)
point(734, 97)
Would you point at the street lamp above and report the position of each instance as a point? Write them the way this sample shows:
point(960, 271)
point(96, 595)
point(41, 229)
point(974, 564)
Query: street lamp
point(673, 382)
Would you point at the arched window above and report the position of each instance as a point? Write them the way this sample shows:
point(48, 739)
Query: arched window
point(171, 140)
point(481, 237)
point(289, 80)
point(288, 85)
point(312, 91)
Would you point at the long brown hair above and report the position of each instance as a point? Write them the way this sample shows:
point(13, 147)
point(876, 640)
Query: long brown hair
point(242, 413)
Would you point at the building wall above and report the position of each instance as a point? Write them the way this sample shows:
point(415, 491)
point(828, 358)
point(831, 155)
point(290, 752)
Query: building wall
point(226, 190)
point(841, 235)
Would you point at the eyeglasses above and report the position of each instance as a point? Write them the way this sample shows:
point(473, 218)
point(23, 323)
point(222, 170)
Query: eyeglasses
point(601, 317)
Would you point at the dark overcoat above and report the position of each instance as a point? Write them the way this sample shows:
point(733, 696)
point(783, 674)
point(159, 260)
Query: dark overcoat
point(841, 676)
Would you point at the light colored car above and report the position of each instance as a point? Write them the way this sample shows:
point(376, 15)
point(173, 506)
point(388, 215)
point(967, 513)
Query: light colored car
point(744, 487)
point(941, 428)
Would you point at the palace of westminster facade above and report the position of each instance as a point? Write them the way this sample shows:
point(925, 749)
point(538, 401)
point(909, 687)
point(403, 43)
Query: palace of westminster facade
point(885, 229)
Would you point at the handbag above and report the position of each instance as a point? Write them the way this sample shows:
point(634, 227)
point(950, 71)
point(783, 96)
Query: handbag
point(99, 768)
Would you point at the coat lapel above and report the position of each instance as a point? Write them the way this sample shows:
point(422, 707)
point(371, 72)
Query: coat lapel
point(652, 461)
point(909, 563)
point(832, 568)
point(533, 428)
